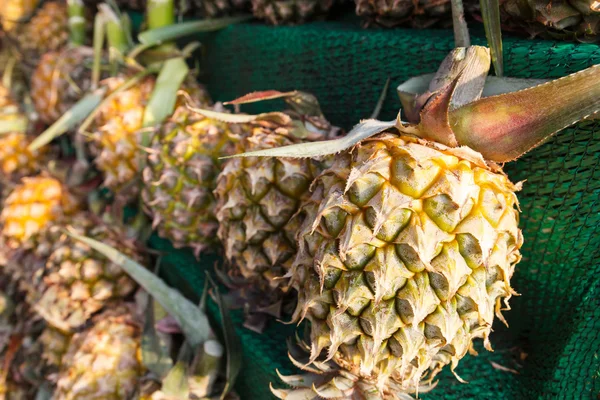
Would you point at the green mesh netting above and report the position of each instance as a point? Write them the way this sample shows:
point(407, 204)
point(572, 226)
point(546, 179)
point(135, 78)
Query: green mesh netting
point(553, 344)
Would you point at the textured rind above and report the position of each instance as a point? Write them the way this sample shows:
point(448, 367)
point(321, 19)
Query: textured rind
point(33, 207)
point(563, 20)
point(405, 254)
point(60, 79)
point(16, 160)
point(257, 198)
point(117, 134)
point(103, 362)
point(77, 281)
point(281, 12)
point(417, 14)
point(181, 175)
point(14, 12)
point(48, 30)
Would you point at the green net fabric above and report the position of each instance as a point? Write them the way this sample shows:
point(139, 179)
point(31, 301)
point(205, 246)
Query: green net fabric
point(552, 348)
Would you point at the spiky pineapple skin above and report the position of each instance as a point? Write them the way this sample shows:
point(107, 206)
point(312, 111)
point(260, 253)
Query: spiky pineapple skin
point(181, 175)
point(417, 14)
point(282, 12)
point(33, 207)
point(564, 20)
point(47, 30)
point(405, 253)
point(103, 362)
point(116, 138)
point(60, 79)
point(14, 12)
point(256, 201)
point(75, 281)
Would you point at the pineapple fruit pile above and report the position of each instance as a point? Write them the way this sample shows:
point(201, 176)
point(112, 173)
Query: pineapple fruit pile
point(396, 243)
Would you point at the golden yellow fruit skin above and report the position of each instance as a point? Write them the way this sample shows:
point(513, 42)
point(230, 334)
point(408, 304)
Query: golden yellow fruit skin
point(13, 11)
point(405, 255)
point(32, 207)
point(117, 136)
point(103, 362)
point(15, 157)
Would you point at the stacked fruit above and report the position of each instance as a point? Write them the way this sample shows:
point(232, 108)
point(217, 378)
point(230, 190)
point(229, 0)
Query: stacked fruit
point(396, 243)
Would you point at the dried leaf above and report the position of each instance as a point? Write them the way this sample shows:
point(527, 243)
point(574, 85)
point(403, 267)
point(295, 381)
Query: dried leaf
point(363, 130)
point(260, 96)
point(503, 368)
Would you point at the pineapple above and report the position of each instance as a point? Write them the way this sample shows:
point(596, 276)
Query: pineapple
point(578, 20)
point(408, 243)
point(33, 207)
point(103, 362)
point(405, 254)
point(47, 30)
point(16, 160)
point(55, 344)
point(217, 8)
point(75, 281)
point(417, 14)
point(116, 137)
point(280, 12)
point(60, 79)
point(181, 174)
point(256, 201)
point(14, 12)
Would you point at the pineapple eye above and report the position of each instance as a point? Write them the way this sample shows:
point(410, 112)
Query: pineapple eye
point(410, 257)
point(469, 249)
point(363, 189)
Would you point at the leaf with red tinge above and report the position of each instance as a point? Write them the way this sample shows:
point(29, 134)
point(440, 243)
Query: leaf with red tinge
point(260, 96)
point(503, 128)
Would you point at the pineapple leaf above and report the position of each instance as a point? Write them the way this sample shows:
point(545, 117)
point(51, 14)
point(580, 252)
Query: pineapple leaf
point(504, 127)
point(463, 68)
point(409, 90)
point(70, 119)
point(381, 99)
point(164, 95)
point(238, 118)
point(232, 343)
point(155, 352)
point(490, 12)
point(192, 320)
point(157, 36)
point(255, 97)
point(363, 130)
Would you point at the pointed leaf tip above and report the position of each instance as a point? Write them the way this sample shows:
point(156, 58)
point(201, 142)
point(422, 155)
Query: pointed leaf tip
point(503, 128)
point(255, 97)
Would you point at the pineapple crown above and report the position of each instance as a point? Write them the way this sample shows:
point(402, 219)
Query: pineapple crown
point(452, 112)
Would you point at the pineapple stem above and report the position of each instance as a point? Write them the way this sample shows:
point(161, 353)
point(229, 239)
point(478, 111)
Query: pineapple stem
point(115, 34)
point(160, 13)
point(461, 31)
point(76, 12)
point(99, 27)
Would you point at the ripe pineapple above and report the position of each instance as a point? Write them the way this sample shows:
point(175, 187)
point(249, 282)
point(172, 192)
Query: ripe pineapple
point(417, 14)
point(116, 137)
point(31, 208)
point(409, 240)
point(103, 362)
point(256, 200)
point(217, 8)
point(75, 281)
point(47, 30)
point(15, 12)
point(280, 12)
point(60, 79)
point(16, 160)
point(578, 20)
point(55, 344)
point(181, 175)
point(405, 254)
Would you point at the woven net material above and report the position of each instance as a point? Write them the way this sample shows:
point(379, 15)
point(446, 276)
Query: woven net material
point(552, 348)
